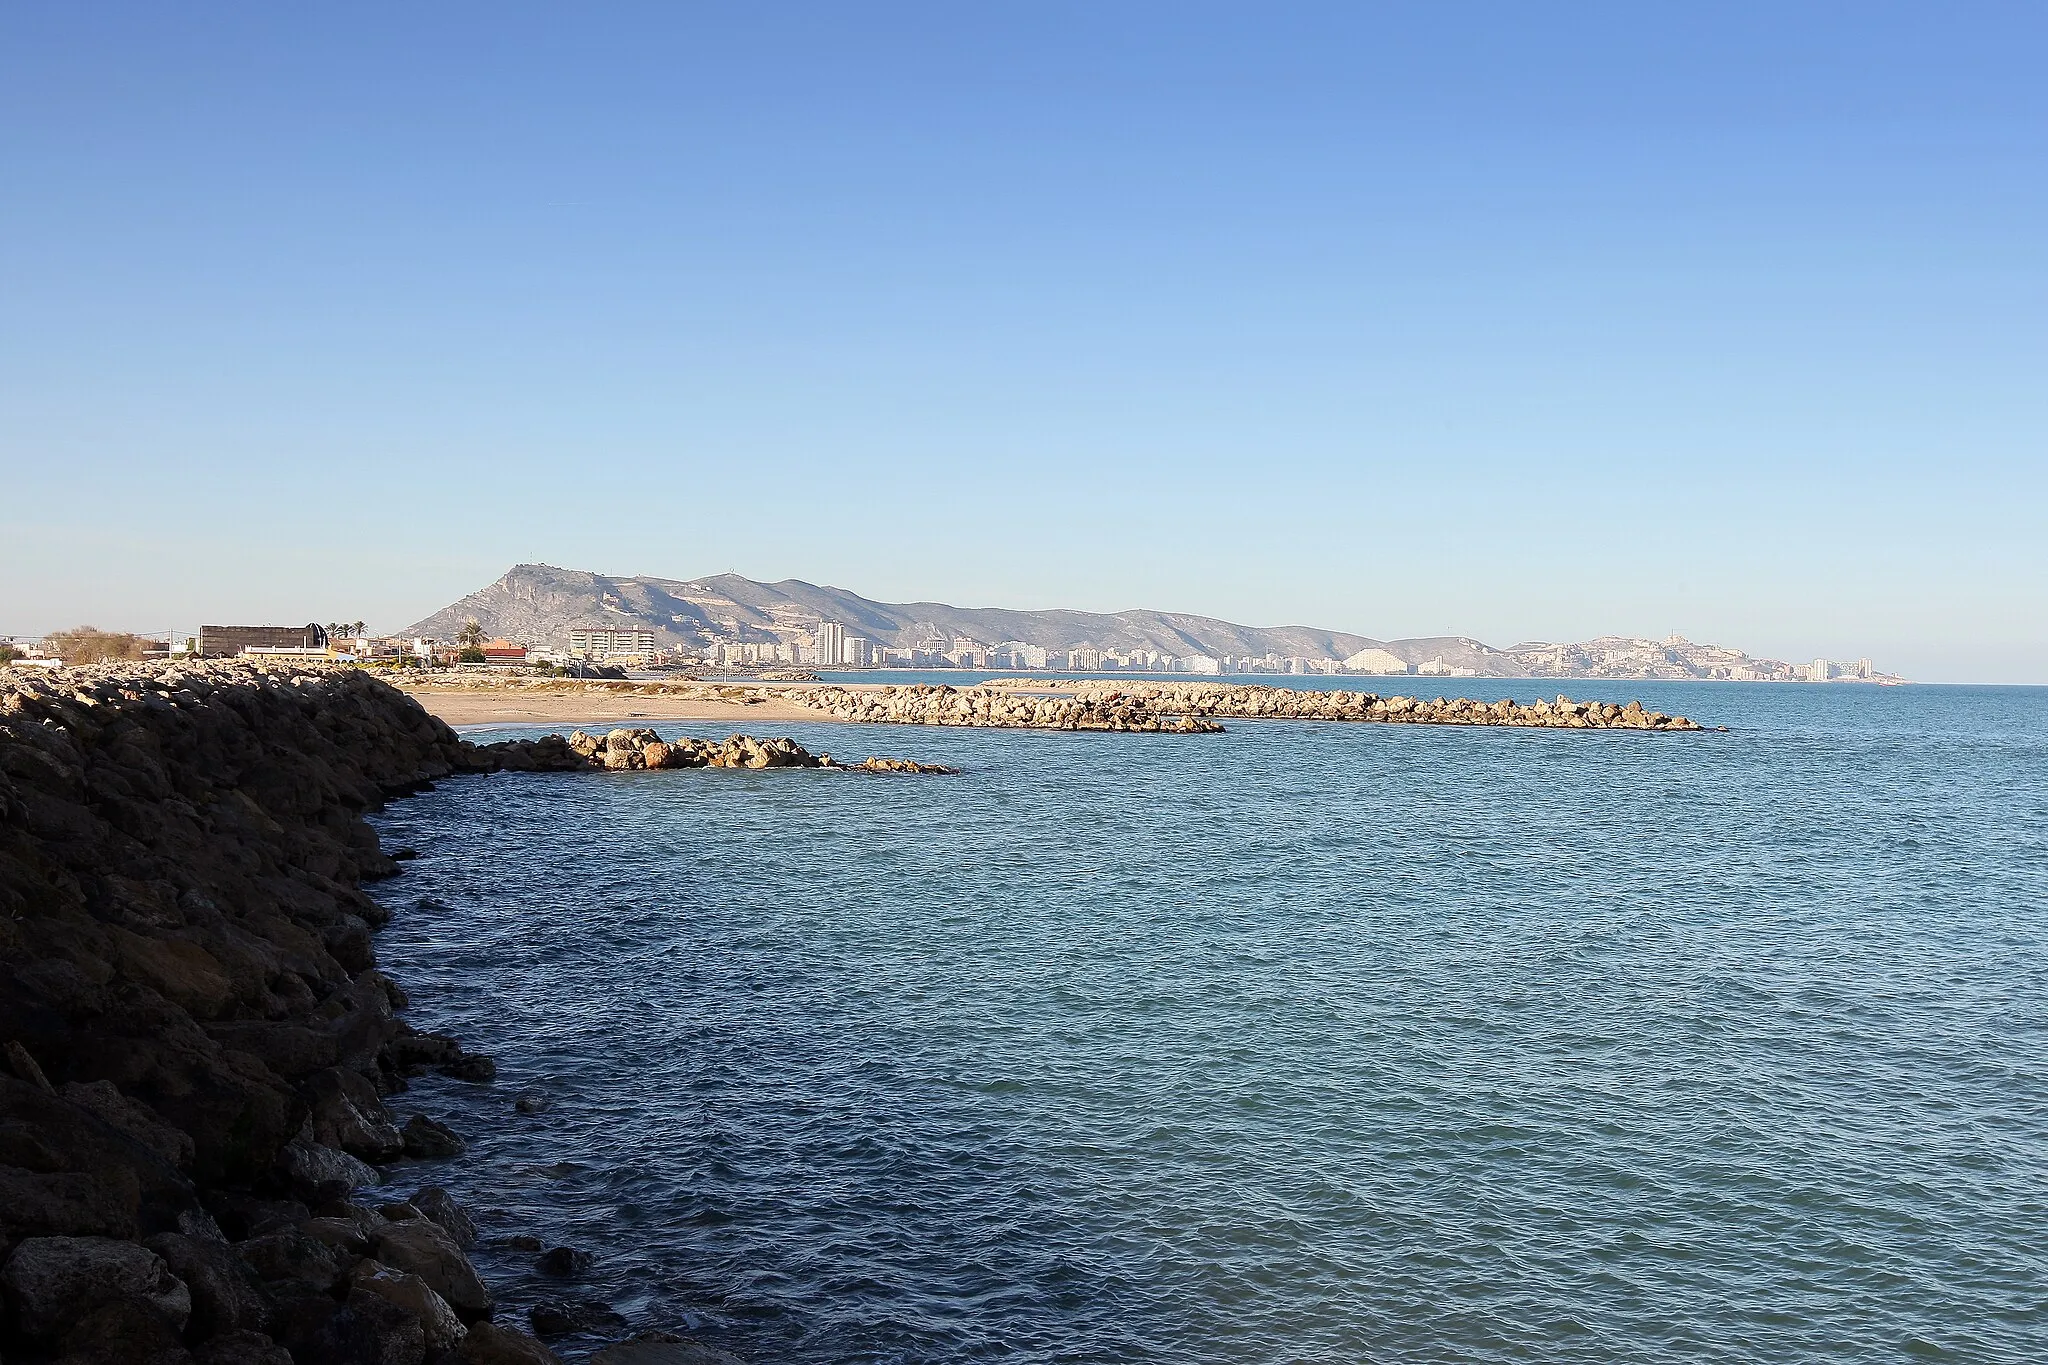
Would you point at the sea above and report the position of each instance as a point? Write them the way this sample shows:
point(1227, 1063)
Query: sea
point(1304, 1042)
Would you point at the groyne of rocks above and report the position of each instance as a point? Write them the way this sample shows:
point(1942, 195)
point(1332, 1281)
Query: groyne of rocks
point(641, 748)
point(1281, 703)
point(204, 1136)
point(999, 708)
point(1100, 704)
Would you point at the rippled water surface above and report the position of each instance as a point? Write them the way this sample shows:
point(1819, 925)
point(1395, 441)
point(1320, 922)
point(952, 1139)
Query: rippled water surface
point(1304, 1042)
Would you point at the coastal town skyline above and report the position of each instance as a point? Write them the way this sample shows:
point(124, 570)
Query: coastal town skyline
point(537, 614)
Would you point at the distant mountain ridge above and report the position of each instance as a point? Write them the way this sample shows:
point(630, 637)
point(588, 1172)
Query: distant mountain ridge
point(540, 604)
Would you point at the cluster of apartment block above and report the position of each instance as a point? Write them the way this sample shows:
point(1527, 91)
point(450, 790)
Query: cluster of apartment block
point(832, 647)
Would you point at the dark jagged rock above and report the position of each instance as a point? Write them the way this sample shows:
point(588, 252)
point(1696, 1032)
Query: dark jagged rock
point(196, 1046)
point(53, 1283)
point(439, 1322)
point(489, 1344)
point(437, 1204)
point(566, 1262)
point(427, 1139)
point(420, 1247)
point(196, 1041)
point(903, 765)
point(562, 1317)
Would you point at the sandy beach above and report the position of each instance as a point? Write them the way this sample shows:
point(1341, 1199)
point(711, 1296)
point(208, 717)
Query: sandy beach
point(498, 707)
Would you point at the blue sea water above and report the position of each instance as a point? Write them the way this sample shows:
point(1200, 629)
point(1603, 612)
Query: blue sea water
point(1305, 1042)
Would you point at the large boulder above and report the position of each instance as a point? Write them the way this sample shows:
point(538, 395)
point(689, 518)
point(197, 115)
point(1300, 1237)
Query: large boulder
point(294, 1259)
point(137, 1120)
point(226, 1295)
point(429, 1139)
point(490, 1344)
point(437, 1204)
point(124, 1332)
point(320, 1173)
point(363, 1329)
point(67, 1203)
point(420, 1247)
point(242, 1348)
point(53, 1283)
point(442, 1327)
point(347, 1114)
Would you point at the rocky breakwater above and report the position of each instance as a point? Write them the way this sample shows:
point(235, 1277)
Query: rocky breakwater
point(1280, 703)
point(1001, 709)
point(627, 750)
point(203, 1137)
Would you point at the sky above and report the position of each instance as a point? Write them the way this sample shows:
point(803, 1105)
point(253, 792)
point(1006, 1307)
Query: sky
point(1511, 321)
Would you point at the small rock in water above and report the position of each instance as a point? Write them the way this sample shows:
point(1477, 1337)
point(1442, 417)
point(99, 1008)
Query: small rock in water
point(905, 765)
point(562, 1261)
point(524, 1241)
point(560, 1317)
point(489, 1344)
point(533, 1102)
point(425, 1138)
point(437, 1204)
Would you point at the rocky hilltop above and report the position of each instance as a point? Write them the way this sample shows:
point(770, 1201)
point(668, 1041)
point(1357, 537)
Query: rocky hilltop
point(540, 603)
point(205, 1148)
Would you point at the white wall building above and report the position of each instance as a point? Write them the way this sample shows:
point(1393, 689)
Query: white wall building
point(1376, 660)
point(603, 642)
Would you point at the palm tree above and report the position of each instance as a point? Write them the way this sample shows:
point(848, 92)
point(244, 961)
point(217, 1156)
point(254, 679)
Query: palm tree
point(471, 636)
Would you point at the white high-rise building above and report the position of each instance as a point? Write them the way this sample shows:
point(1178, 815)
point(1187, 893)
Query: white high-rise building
point(831, 644)
point(858, 651)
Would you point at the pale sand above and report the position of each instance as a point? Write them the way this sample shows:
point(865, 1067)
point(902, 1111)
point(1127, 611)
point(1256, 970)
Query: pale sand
point(589, 709)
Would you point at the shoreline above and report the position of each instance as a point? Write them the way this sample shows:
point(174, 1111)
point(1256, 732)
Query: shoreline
point(483, 707)
point(205, 1149)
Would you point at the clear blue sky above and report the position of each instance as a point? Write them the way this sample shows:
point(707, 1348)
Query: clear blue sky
point(1516, 321)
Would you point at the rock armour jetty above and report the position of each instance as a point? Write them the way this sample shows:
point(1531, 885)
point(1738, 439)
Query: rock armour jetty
point(641, 748)
point(1191, 708)
point(1281, 703)
point(997, 708)
point(1097, 704)
point(204, 1136)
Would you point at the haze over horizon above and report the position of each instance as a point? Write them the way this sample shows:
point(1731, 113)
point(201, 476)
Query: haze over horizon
point(1466, 321)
